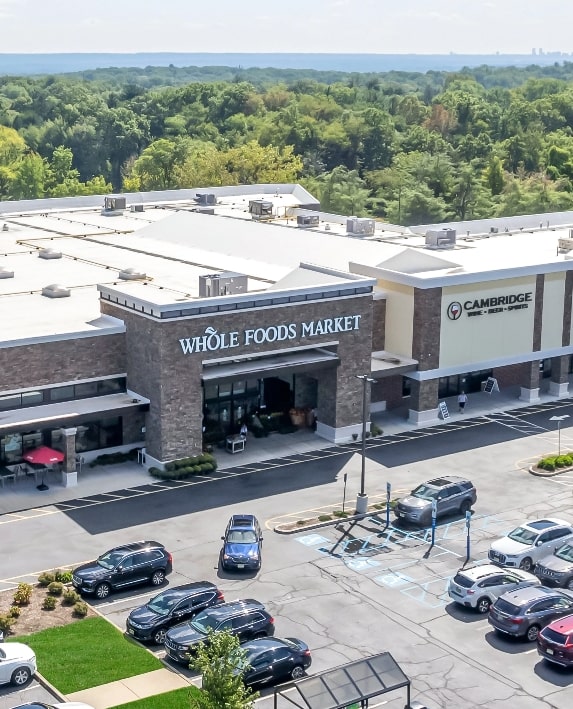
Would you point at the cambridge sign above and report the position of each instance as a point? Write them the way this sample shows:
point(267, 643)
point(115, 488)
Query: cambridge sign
point(487, 306)
point(213, 341)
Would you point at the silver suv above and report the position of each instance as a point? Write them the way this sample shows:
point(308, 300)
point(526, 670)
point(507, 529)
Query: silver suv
point(452, 495)
point(479, 586)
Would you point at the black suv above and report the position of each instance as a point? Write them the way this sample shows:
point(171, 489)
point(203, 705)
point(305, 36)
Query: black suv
point(128, 565)
point(451, 493)
point(242, 544)
point(248, 619)
point(174, 605)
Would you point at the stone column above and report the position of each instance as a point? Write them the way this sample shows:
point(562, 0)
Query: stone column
point(69, 472)
point(530, 386)
point(424, 402)
point(559, 384)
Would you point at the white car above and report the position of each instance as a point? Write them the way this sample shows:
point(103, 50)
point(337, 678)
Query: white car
point(525, 545)
point(479, 586)
point(17, 663)
point(60, 705)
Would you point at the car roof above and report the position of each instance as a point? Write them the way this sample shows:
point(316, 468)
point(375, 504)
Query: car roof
point(541, 525)
point(447, 480)
point(524, 596)
point(261, 644)
point(224, 610)
point(242, 521)
point(138, 546)
point(187, 589)
point(563, 625)
point(481, 571)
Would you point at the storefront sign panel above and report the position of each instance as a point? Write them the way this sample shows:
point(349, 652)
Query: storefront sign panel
point(214, 341)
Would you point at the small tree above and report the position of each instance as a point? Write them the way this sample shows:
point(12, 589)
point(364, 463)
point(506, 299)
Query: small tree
point(218, 660)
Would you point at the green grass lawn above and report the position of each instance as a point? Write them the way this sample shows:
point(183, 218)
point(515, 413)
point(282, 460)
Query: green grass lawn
point(87, 653)
point(178, 699)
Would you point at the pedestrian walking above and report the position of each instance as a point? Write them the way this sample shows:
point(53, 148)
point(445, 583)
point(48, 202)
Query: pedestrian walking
point(462, 401)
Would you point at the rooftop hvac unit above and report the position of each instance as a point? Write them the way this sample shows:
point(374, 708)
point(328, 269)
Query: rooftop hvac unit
point(260, 209)
point(307, 221)
point(225, 283)
point(114, 204)
point(204, 210)
point(360, 226)
point(441, 239)
point(206, 199)
point(566, 243)
point(136, 208)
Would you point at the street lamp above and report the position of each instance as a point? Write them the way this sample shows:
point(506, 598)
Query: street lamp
point(362, 498)
point(559, 419)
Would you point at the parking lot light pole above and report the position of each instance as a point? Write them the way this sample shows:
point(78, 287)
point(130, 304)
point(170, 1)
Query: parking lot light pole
point(362, 498)
point(559, 419)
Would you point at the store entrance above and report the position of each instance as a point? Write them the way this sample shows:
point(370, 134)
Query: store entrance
point(469, 383)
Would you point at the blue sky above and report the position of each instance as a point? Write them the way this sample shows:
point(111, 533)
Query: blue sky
point(368, 26)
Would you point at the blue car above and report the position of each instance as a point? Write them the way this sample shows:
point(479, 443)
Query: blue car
point(242, 544)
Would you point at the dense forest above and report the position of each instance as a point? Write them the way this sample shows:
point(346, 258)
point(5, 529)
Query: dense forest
point(407, 148)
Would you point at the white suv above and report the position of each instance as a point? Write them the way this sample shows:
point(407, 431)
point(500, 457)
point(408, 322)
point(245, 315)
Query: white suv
point(525, 545)
point(479, 586)
point(17, 664)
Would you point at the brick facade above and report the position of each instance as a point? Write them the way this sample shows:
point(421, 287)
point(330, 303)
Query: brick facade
point(427, 326)
point(158, 369)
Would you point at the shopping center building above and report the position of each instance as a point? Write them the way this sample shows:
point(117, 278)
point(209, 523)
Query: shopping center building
point(156, 320)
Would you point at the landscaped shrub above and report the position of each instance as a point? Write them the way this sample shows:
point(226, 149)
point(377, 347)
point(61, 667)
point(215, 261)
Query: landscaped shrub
point(555, 461)
point(70, 597)
point(375, 430)
point(63, 576)
point(46, 578)
point(185, 467)
point(324, 518)
point(340, 513)
point(14, 611)
point(6, 622)
point(49, 603)
point(114, 458)
point(81, 609)
point(56, 588)
point(23, 594)
point(563, 461)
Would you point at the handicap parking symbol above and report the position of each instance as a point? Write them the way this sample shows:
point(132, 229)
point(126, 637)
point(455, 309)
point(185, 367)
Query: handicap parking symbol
point(358, 564)
point(394, 580)
point(311, 540)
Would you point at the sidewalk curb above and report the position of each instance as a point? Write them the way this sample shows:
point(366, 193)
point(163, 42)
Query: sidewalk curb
point(321, 525)
point(548, 473)
point(50, 687)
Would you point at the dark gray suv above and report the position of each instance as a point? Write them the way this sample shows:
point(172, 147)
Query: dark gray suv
point(557, 568)
point(452, 494)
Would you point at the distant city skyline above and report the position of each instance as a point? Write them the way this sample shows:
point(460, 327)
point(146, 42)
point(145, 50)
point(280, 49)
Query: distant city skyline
point(310, 26)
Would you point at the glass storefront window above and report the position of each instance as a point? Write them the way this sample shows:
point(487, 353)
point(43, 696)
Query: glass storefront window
point(211, 392)
point(11, 448)
point(62, 393)
point(111, 386)
point(238, 388)
point(224, 390)
point(32, 440)
point(85, 389)
point(14, 401)
point(32, 398)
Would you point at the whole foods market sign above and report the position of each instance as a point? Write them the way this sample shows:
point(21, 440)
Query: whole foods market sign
point(489, 306)
point(213, 341)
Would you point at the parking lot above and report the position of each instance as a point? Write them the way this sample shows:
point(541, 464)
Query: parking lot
point(347, 591)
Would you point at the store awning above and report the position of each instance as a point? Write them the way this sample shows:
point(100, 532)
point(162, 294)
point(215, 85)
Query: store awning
point(387, 364)
point(270, 365)
point(347, 685)
point(65, 412)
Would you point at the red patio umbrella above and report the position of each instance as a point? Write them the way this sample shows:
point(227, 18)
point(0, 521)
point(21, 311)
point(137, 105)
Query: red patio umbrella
point(44, 456)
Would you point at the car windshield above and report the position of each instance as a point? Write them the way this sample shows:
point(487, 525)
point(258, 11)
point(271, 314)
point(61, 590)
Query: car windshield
point(203, 623)
point(241, 536)
point(565, 552)
point(111, 559)
point(425, 493)
point(162, 604)
point(523, 535)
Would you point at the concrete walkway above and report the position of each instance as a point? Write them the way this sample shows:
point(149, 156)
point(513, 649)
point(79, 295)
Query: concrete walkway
point(131, 689)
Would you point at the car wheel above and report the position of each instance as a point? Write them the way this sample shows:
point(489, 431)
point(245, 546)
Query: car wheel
point(532, 633)
point(159, 636)
point(158, 578)
point(526, 564)
point(21, 676)
point(465, 507)
point(297, 672)
point(483, 605)
point(103, 590)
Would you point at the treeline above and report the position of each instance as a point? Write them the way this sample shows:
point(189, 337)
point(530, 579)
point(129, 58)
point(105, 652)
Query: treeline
point(408, 148)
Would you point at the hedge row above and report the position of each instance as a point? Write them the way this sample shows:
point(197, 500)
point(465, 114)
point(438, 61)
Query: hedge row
point(186, 467)
point(555, 461)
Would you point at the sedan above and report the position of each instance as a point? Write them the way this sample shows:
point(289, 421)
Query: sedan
point(478, 586)
point(272, 660)
point(17, 664)
point(524, 612)
point(175, 605)
point(555, 642)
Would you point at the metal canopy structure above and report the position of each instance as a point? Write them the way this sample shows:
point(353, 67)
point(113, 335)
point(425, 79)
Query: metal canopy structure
point(353, 683)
